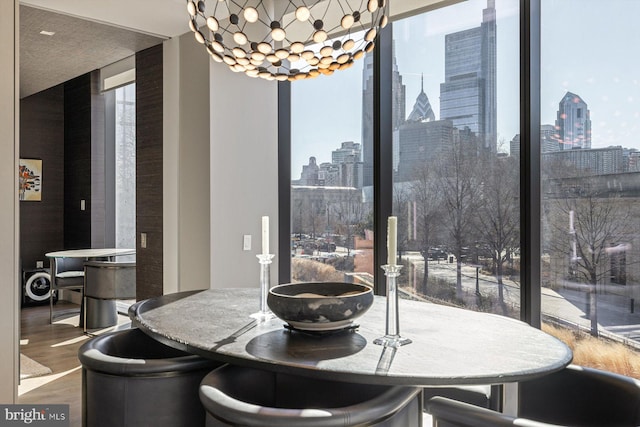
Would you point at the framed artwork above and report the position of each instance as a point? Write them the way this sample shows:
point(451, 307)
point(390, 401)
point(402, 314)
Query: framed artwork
point(30, 180)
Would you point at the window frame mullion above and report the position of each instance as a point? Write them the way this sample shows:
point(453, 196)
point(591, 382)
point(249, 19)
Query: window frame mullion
point(382, 151)
point(530, 175)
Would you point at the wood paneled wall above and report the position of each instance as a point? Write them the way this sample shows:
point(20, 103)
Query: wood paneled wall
point(77, 162)
point(149, 122)
point(98, 166)
point(42, 137)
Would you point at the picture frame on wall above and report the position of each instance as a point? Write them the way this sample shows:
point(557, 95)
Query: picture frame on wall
point(30, 180)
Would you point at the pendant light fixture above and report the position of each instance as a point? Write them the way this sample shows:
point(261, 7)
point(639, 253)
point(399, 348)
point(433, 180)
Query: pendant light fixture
point(287, 39)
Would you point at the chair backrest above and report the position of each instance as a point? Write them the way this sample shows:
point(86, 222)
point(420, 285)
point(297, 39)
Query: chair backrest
point(110, 280)
point(581, 396)
point(447, 412)
point(68, 264)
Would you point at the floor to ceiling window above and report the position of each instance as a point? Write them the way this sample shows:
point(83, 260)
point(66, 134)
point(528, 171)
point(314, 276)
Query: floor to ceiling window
point(590, 116)
point(120, 166)
point(332, 173)
point(456, 177)
point(465, 179)
point(125, 167)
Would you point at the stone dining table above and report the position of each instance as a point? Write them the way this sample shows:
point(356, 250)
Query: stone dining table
point(450, 346)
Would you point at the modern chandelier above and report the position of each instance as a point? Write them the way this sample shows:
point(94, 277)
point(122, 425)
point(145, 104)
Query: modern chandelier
point(287, 39)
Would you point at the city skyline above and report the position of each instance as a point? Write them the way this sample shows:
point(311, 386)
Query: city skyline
point(601, 72)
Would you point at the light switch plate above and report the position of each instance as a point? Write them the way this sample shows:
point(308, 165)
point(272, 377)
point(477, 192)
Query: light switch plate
point(246, 242)
point(143, 240)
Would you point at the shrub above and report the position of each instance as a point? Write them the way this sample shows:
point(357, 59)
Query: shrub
point(306, 270)
point(599, 353)
point(343, 263)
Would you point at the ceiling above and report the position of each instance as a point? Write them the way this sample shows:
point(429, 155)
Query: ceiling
point(90, 34)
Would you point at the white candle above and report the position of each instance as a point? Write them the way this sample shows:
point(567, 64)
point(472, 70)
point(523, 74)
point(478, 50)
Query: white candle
point(392, 240)
point(265, 235)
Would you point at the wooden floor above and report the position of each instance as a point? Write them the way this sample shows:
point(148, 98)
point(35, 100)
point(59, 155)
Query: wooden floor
point(55, 346)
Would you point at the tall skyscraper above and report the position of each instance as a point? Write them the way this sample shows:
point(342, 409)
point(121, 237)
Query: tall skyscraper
point(397, 117)
point(422, 111)
point(573, 124)
point(468, 94)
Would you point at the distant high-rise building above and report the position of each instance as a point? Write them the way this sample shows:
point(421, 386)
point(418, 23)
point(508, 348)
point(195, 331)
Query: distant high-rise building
point(468, 94)
point(397, 116)
point(514, 146)
point(573, 124)
point(329, 174)
point(344, 170)
point(548, 141)
point(422, 111)
point(598, 161)
point(419, 143)
point(347, 149)
point(349, 167)
point(310, 173)
point(632, 160)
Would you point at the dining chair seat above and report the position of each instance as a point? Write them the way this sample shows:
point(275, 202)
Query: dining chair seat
point(581, 396)
point(576, 396)
point(241, 396)
point(68, 274)
point(131, 380)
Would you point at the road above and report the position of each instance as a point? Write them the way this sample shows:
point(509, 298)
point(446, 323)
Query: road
point(615, 314)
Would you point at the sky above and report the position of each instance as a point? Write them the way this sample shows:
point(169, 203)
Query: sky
point(589, 47)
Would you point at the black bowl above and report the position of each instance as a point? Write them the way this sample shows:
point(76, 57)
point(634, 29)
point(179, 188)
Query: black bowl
point(321, 306)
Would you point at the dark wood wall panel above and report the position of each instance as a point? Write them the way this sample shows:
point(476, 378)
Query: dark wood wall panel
point(42, 137)
point(77, 162)
point(98, 213)
point(149, 171)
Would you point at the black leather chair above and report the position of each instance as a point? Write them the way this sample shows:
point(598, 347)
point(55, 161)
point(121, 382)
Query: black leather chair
point(576, 396)
point(239, 396)
point(447, 412)
point(484, 396)
point(108, 281)
point(66, 273)
point(131, 380)
point(581, 396)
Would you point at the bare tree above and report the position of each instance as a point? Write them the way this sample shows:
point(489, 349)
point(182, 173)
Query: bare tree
point(297, 223)
point(350, 211)
point(401, 204)
point(586, 225)
point(428, 210)
point(499, 213)
point(316, 216)
point(457, 185)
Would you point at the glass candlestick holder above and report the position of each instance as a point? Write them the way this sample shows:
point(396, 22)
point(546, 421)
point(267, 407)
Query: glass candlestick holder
point(392, 336)
point(265, 280)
